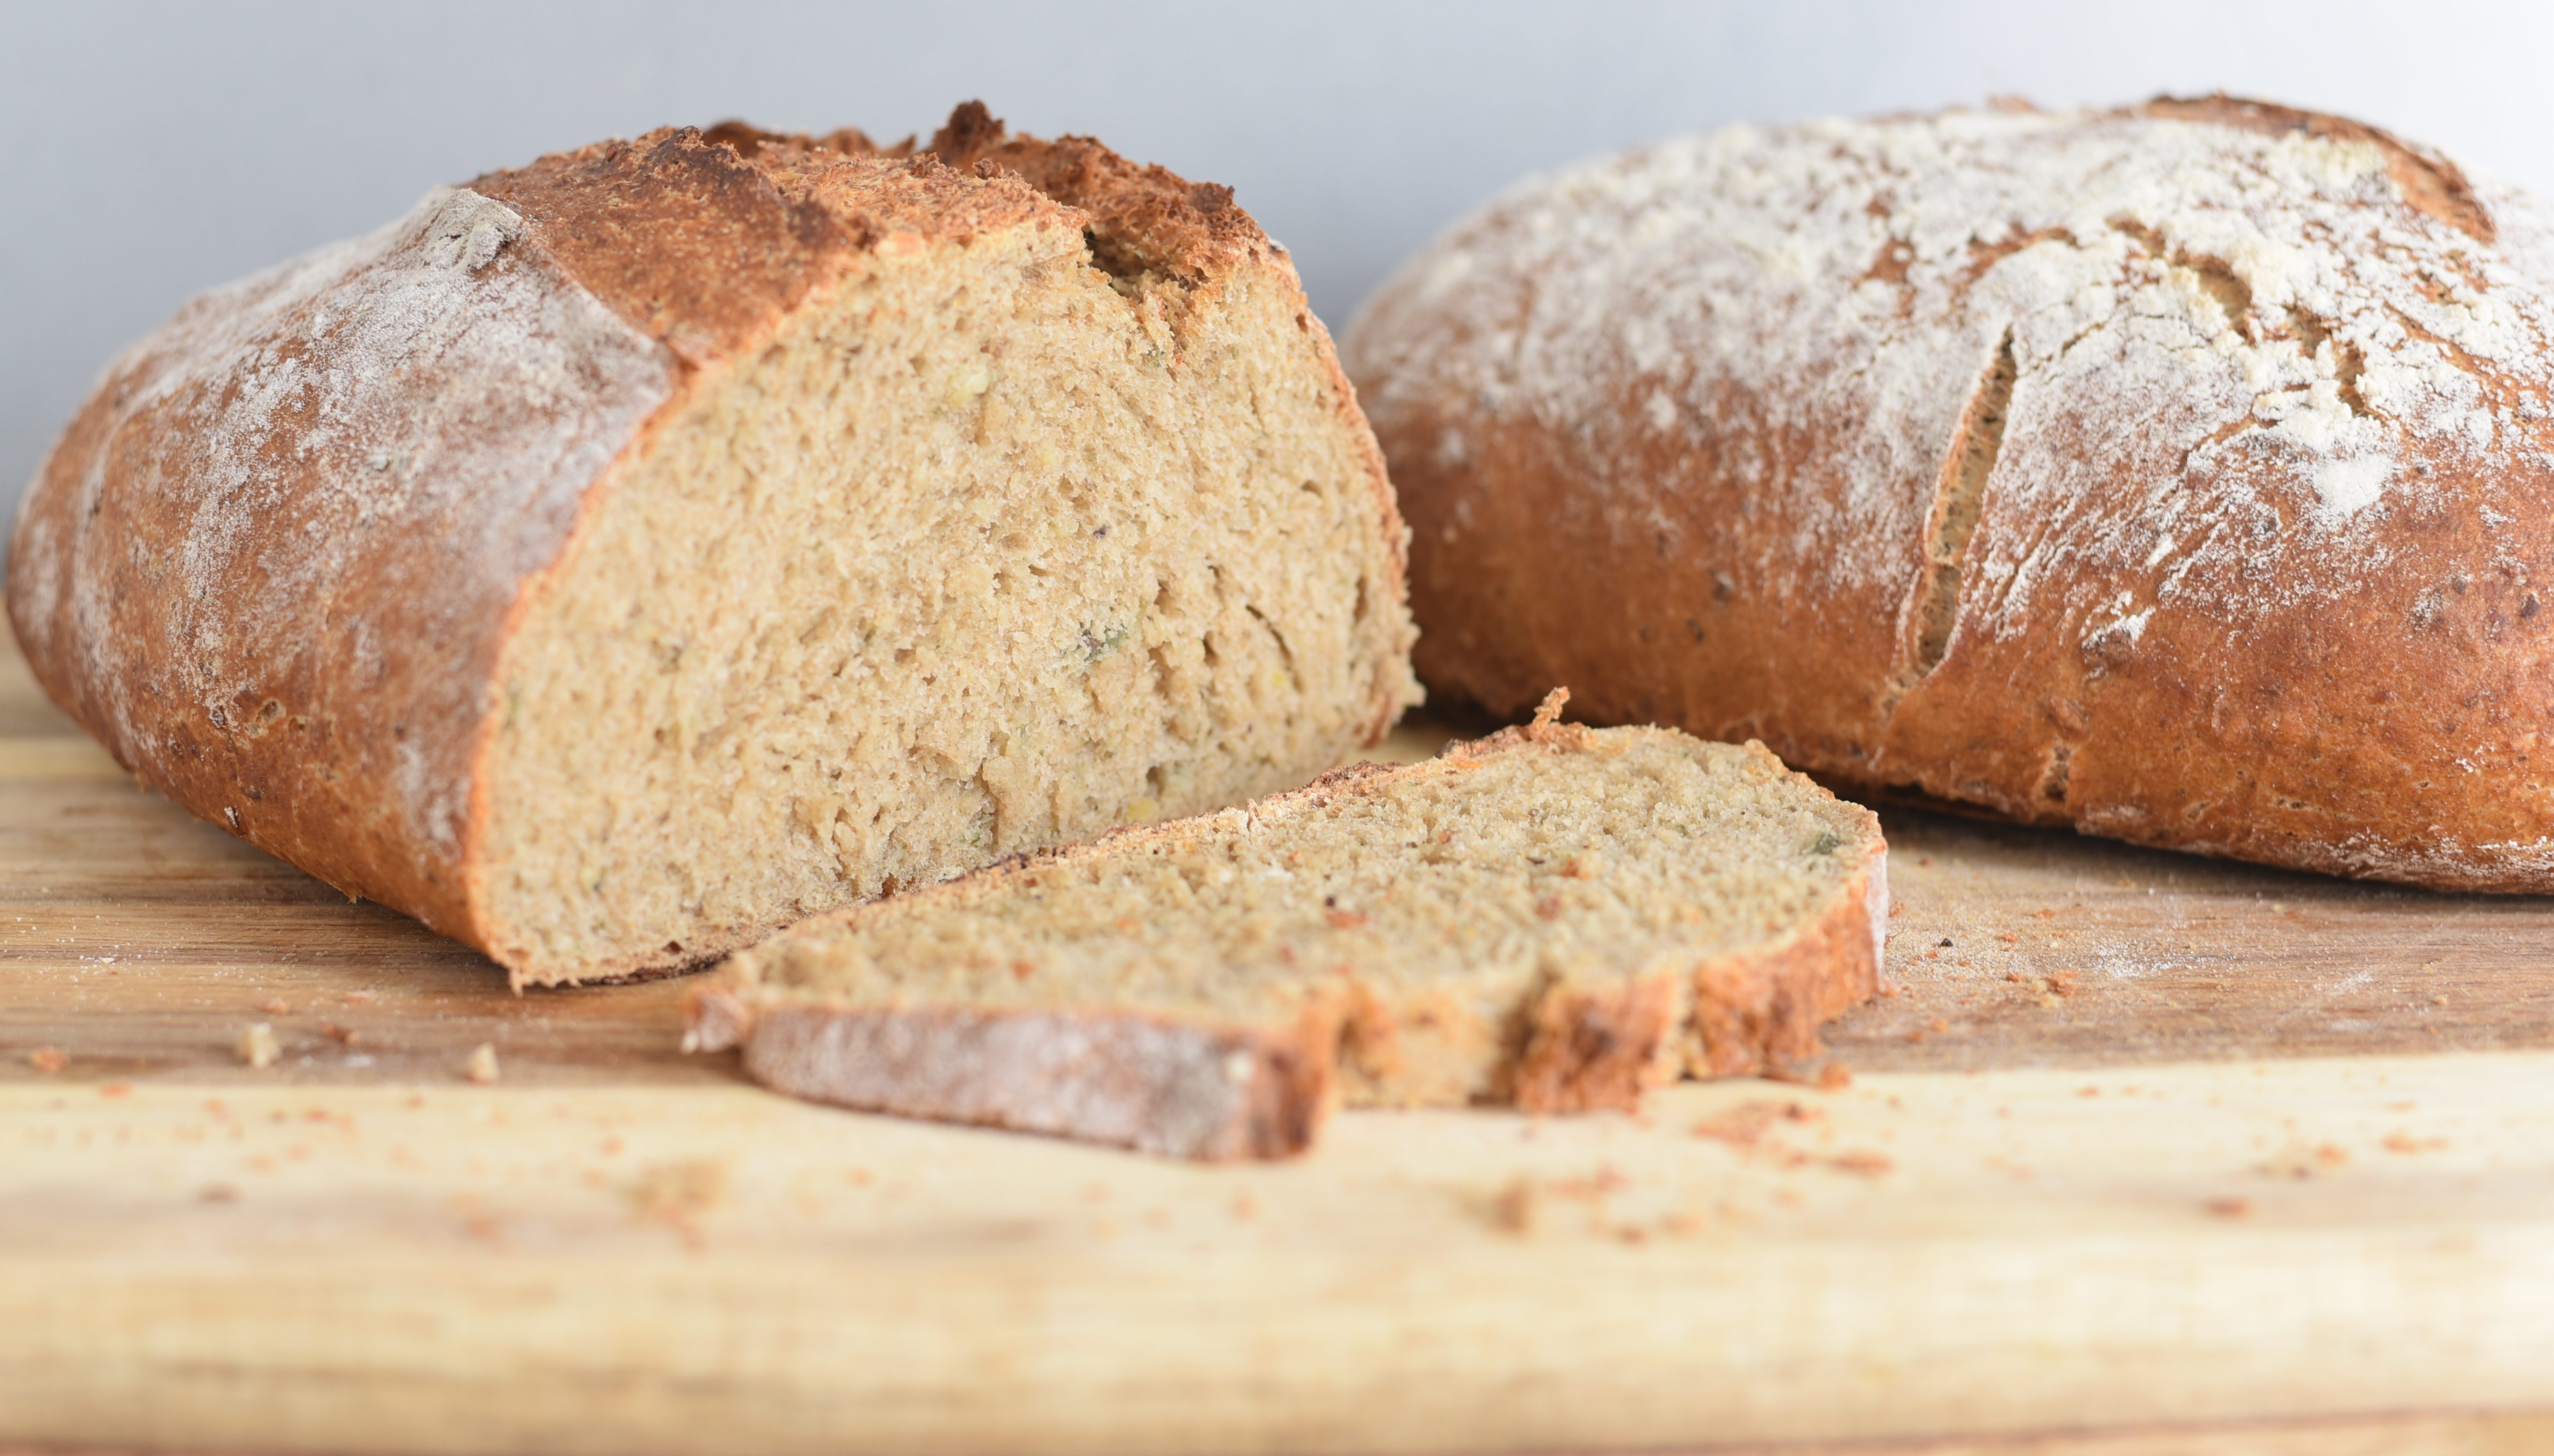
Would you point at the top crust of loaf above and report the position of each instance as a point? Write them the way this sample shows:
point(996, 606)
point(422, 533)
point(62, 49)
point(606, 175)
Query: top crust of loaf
point(740, 224)
point(273, 561)
point(2180, 473)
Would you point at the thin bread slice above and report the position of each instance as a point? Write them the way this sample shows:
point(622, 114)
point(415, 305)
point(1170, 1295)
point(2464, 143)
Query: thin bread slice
point(1554, 917)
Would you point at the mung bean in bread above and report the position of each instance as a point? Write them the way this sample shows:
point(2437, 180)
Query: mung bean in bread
point(2183, 473)
point(1555, 916)
point(625, 555)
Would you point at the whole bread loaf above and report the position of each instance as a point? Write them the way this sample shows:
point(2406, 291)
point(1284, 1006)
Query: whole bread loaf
point(1556, 917)
point(622, 556)
point(2181, 472)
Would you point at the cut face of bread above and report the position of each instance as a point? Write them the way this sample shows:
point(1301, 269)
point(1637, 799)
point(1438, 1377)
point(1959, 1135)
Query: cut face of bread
point(976, 556)
point(630, 554)
point(1554, 918)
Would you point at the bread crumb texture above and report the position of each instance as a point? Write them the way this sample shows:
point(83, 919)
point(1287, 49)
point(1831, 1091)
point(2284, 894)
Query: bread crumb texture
point(2180, 472)
point(1556, 917)
point(629, 554)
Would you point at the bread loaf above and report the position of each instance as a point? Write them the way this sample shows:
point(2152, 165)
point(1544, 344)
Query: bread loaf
point(622, 556)
point(1555, 917)
point(2180, 473)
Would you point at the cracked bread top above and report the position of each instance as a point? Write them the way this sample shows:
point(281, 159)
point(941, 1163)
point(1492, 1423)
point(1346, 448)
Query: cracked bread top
point(2179, 471)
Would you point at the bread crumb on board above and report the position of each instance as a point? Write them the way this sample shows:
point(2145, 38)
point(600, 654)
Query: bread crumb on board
point(482, 1065)
point(49, 1060)
point(258, 1047)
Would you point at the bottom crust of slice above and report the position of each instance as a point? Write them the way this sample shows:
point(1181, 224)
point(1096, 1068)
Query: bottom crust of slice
point(1152, 1085)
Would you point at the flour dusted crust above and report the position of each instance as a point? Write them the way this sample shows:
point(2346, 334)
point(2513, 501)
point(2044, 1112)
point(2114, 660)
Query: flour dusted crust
point(226, 565)
point(2181, 472)
point(275, 560)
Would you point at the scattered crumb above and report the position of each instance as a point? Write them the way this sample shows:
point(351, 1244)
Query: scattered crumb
point(612, 1144)
point(217, 1194)
point(276, 1006)
point(1937, 1026)
point(2088, 1091)
point(1835, 1076)
point(116, 1089)
point(677, 1194)
point(2406, 1143)
point(258, 1047)
point(1604, 1184)
point(482, 1065)
point(1517, 1208)
point(2301, 1162)
point(2009, 938)
point(2230, 1207)
point(358, 998)
point(1746, 1124)
point(343, 1036)
point(1863, 1161)
point(1244, 1208)
point(49, 1060)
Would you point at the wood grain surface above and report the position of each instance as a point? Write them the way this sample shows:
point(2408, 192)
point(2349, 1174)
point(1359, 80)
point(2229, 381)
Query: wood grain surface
point(2156, 1154)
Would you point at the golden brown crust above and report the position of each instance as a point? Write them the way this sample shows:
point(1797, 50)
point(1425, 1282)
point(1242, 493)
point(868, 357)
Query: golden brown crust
point(2236, 558)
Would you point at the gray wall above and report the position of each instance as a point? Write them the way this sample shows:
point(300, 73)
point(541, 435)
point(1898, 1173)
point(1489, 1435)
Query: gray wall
point(153, 150)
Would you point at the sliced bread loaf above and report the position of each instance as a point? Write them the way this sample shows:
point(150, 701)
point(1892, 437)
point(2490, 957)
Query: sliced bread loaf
point(626, 555)
point(1553, 917)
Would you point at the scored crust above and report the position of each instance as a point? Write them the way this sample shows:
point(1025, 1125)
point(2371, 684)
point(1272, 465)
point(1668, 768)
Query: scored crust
point(1193, 1088)
point(2178, 473)
point(275, 562)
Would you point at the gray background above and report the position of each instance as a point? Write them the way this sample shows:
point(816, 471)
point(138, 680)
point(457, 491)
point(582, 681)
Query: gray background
point(153, 150)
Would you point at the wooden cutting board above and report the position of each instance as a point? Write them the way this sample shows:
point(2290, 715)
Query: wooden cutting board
point(2145, 1154)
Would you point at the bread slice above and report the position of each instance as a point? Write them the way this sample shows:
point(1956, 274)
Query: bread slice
point(1555, 917)
point(632, 553)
